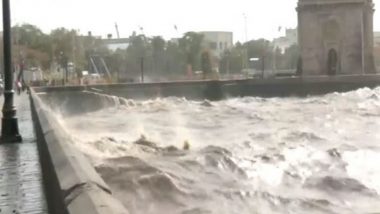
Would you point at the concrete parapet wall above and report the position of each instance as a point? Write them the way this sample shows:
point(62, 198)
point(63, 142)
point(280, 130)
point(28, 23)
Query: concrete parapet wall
point(76, 102)
point(79, 97)
point(72, 185)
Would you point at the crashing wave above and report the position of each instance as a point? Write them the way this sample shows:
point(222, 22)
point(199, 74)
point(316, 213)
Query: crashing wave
point(338, 184)
point(247, 155)
point(302, 135)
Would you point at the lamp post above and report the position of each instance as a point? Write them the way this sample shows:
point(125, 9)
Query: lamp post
point(142, 69)
point(64, 65)
point(9, 124)
point(228, 64)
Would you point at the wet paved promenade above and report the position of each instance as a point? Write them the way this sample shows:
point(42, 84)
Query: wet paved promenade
point(21, 185)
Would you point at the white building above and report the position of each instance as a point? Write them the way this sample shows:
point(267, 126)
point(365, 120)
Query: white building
point(217, 41)
point(114, 44)
point(33, 74)
point(284, 42)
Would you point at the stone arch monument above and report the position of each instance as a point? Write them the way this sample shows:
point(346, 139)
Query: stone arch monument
point(336, 36)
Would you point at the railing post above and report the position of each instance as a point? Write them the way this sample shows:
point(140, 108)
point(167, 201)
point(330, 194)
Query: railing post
point(9, 124)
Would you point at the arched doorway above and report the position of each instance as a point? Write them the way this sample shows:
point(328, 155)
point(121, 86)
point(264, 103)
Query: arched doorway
point(332, 62)
point(331, 38)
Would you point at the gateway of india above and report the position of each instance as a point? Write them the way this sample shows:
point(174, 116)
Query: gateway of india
point(335, 37)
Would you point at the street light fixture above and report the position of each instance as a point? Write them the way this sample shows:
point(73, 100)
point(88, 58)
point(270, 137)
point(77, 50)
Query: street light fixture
point(9, 124)
point(254, 59)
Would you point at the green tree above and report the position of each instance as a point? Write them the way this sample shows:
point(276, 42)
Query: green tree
point(115, 62)
point(132, 56)
point(63, 41)
point(261, 49)
point(31, 45)
point(138, 46)
point(191, 45)
point(174, 59)
point(206, 64)
point(158, 53)
point(232, 61)
point(32, 37)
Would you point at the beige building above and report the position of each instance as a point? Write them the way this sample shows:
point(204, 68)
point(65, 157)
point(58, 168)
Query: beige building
point(217, 41)
point(284, 42)
point(336, 36)
point(376, 37)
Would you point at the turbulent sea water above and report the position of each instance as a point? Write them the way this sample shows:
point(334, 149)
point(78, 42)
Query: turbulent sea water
point(247, 155)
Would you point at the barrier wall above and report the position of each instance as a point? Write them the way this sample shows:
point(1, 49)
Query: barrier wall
point(71, 183)
point(215, 90)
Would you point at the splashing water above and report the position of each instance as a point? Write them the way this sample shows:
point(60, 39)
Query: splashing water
point(246, 155)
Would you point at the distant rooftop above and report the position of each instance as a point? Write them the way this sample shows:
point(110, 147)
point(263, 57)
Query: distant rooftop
point(333, 1)
point(116, 41)
point(313, 2)
point(216, 32)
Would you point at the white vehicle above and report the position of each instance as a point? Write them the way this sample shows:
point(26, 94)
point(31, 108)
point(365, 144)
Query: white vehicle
point(88, 78)
point(84, 73)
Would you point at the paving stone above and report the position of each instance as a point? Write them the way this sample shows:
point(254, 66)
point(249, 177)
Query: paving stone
point(21, 184)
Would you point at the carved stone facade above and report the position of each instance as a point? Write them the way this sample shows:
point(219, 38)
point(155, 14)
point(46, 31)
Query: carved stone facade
point(336, 36)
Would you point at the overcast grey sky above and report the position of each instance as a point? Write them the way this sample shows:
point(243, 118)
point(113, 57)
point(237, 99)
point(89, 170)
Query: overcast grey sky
point(158, 17)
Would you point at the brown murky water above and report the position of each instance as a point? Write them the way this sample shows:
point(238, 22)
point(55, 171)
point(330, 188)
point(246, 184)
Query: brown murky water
point(247, 155)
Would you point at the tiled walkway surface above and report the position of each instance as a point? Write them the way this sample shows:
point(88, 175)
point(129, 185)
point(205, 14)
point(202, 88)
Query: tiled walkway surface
point(21, 187)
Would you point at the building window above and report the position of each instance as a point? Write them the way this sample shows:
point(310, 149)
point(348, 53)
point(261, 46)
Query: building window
point(213, 45)
point(220, 45)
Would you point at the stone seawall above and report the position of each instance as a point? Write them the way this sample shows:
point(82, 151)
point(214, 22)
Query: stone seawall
point(72, 185)
point(72, 96)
